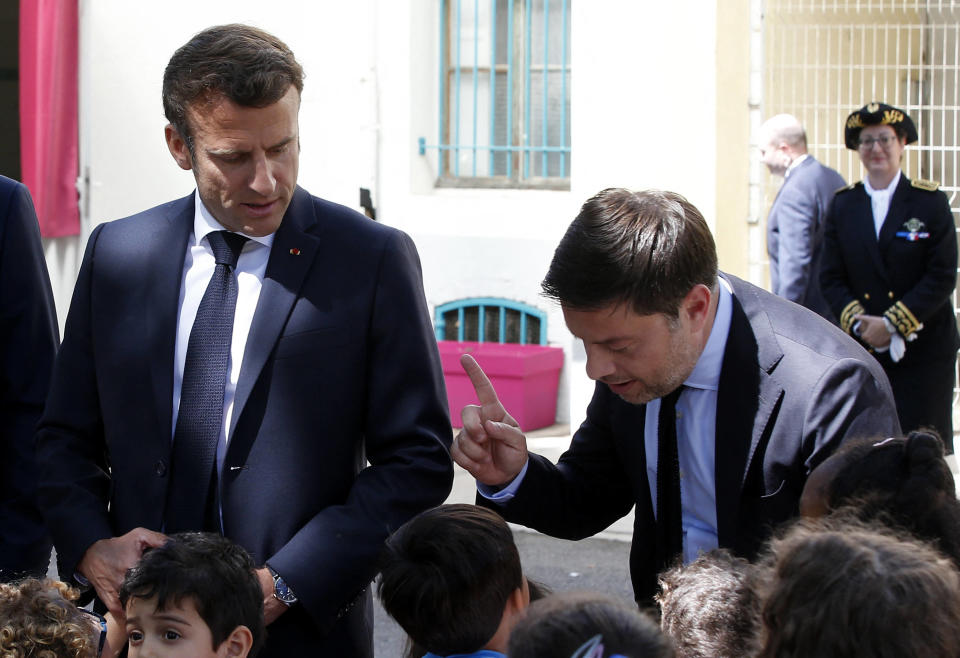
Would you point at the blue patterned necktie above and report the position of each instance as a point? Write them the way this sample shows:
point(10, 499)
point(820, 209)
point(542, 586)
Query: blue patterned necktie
point(200, 417)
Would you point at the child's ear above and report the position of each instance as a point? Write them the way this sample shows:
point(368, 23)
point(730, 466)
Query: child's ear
point(237, 644)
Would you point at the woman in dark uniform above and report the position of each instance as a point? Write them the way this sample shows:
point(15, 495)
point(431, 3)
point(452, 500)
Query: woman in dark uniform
point(890, 266)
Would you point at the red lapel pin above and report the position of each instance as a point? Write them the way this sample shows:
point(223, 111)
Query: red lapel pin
point(295, 251)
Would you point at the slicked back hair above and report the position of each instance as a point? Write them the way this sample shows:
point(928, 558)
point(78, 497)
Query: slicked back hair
point(244, 64)
point(446, 576)
point(213, 572)
point(645, 249)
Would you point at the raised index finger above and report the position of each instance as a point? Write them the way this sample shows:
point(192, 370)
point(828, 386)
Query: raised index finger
point(481, 383)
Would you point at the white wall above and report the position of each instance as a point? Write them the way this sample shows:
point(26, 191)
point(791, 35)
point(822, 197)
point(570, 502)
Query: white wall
point(643, 90)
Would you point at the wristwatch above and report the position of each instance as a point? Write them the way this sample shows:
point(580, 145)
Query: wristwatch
point(282, 591)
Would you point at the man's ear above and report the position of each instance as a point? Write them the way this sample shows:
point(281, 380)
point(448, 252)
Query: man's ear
point(696, 305)
point(237, 644)
point(178, 147)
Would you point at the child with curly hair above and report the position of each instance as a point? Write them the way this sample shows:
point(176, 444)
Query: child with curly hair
point(40, 620)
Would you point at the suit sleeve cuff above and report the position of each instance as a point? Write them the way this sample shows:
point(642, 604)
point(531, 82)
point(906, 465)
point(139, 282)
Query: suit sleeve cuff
point(502, 496)
point(903, 320)
point(847, 315)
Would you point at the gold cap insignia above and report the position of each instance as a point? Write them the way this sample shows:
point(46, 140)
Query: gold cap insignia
point(892, 117)
point(854, 121)
point(873, 107)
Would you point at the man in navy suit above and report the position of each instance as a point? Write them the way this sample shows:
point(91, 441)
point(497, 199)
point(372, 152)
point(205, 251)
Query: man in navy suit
point(331, 412)
point(796, 220)
point(28, 339)
point(761, 391)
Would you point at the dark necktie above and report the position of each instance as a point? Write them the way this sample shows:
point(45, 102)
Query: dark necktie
point(200, 416)
point(669, 511)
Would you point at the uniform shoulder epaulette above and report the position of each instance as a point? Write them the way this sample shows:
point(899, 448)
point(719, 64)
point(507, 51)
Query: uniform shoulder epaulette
point(845, 188)
point(928, 185)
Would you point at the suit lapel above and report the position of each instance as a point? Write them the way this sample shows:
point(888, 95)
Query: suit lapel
point(895, 215)
point(293, 253)
point(746, 400)
point(165, 274)
point(864, 231)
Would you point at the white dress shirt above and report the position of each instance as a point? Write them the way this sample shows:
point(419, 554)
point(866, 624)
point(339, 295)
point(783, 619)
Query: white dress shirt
point(198, 268)
point(796, 163)
point(880, 201)
point(696, 441)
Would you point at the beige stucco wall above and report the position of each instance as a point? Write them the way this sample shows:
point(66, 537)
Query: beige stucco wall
point(732, 127)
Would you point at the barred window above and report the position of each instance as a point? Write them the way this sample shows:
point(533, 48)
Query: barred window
point(504, 83)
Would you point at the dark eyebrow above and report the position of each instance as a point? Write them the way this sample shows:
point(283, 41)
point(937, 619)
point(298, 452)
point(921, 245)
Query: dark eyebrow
point(229, 152)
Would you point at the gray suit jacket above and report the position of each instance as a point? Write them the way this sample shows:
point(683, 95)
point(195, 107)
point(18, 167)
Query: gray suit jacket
point(792, 387)
point(795, 234)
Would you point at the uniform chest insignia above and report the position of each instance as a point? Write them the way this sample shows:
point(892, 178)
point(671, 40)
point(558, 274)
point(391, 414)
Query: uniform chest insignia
point(914, 230)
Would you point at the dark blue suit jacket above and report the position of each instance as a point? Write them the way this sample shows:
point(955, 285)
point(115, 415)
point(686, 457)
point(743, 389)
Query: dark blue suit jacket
point(341, 368)
point(877, 273)
point(795, 228)
point(792, 387)
point(28, 341)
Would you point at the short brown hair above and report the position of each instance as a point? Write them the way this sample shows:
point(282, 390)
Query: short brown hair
point(446, 576)
point(646, 249)
point(856, 590)
point(560, 624)
point(249, 66)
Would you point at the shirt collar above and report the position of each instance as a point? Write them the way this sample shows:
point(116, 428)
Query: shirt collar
point(887, 191)
point(706, 374)
point(204, 223)
point(795, 163)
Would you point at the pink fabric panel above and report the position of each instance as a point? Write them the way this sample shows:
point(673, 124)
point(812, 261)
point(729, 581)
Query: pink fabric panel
point(48, 112)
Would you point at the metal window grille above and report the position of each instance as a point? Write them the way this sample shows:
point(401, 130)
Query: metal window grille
point(491, 320)
point(504, 101)
point(823, 59)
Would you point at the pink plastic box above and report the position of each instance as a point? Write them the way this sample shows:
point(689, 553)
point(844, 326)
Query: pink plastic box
point(524, 376)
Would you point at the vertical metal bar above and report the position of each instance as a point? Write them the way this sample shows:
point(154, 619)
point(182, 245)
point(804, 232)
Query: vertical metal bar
point(476, 79)
point(493, 82)
point(503, 324)
point(546, 67)
point(523, 328)
point(563, 87)
point(442, 105)
point(510, 88)
point(456, 130)
point(526, 88)
point(460, 324)
point(481, 325)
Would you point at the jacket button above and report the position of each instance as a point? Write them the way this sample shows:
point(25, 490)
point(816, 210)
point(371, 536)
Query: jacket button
point(890, 294)
point(160, 468)
point(866, 295)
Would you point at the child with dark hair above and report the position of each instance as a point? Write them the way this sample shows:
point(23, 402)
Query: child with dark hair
point(451, 577)
point(197, 595)
point(586, 625)
point(849, 590)
point(710, 608)
point(903, 482)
